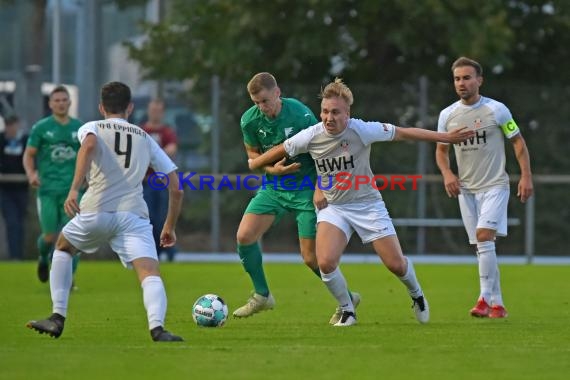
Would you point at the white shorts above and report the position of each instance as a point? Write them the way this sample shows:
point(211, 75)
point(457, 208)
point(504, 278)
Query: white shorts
point(487, 209)
point(129, 235)
point(371, 221)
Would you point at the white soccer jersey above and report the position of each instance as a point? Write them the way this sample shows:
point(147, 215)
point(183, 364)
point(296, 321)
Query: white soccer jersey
point(346, 154)
point(124, 153)
point(481, 159)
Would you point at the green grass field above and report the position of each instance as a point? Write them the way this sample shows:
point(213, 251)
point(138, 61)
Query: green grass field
point(106, 335)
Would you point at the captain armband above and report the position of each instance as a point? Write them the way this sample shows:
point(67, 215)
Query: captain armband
point(510, 128)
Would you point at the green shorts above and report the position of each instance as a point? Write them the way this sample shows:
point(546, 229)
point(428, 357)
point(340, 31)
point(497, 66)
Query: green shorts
point(51, 212)
point(278, 203)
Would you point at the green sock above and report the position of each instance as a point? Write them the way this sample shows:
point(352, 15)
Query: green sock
point(318, 273)
point(75, 262)
point(45, 249)
point(253, 264)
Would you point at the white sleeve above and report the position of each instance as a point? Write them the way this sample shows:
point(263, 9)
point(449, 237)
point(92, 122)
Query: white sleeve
point(86, 129)
point(442, 122)
point(300, 142)
point(372, 131)
point(159, 160)
point(502, 114)
point(505, 120)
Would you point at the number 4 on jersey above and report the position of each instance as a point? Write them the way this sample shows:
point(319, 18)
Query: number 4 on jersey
point(127, 152)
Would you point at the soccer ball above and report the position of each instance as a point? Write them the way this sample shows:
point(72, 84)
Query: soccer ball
point(210, 310)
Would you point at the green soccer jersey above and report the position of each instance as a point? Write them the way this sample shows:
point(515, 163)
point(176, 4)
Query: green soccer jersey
point(57, 147)
point(263, 133)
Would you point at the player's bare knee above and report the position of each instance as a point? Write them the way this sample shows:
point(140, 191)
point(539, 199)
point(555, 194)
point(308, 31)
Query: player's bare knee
point(245, 237)
point(309, 258)
point(327, 266)
point(310, 262)
point(63, 245)
point(243, 240)
point(145, 267)
point(396, 266)
point(50, 238)
point(485, 235)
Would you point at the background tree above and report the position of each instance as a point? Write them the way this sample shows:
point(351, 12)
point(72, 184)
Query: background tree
point(367, 40)
point(381, 47)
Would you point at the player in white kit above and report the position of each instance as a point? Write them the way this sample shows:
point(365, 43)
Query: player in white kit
point(114, 158)
point(482, 184)
point(340, 147)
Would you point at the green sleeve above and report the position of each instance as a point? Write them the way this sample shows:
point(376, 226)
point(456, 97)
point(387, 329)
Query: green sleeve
point(248, 137)
point(35, 136)
point(312, 119)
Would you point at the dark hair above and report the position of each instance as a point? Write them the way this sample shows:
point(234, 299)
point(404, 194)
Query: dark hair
point(464, 61)
point(59, 88)
point(12, 119)
point(115, 97)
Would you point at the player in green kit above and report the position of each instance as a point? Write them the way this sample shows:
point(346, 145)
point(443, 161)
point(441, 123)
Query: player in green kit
point(49, 161)
point(269, 122)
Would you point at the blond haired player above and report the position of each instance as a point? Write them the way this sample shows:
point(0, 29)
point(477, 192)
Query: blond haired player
point(341, 144)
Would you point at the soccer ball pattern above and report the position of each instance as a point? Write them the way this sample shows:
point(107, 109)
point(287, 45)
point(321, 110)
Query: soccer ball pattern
point(210, 310)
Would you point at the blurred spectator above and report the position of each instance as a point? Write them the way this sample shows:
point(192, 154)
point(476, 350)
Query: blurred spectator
point(157, 200)
point(13, 195)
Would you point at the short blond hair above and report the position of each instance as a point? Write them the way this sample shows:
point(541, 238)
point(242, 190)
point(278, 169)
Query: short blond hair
point(337, 89)
point(261, 81)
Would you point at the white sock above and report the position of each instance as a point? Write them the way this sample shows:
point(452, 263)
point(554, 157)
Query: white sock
point(487, 268)
point(496, 294)
point(411, 281)
point(154, 298)
point(336, 284)
point(60, 278)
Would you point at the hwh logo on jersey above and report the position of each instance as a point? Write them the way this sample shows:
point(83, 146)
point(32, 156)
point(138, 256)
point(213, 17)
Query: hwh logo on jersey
point(61, 153)
point(335, 163)
point(479, 138)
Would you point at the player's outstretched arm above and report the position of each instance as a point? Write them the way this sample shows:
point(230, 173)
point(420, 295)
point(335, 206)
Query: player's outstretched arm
point(277, 168)
point(456, 136)
point(274, 154)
